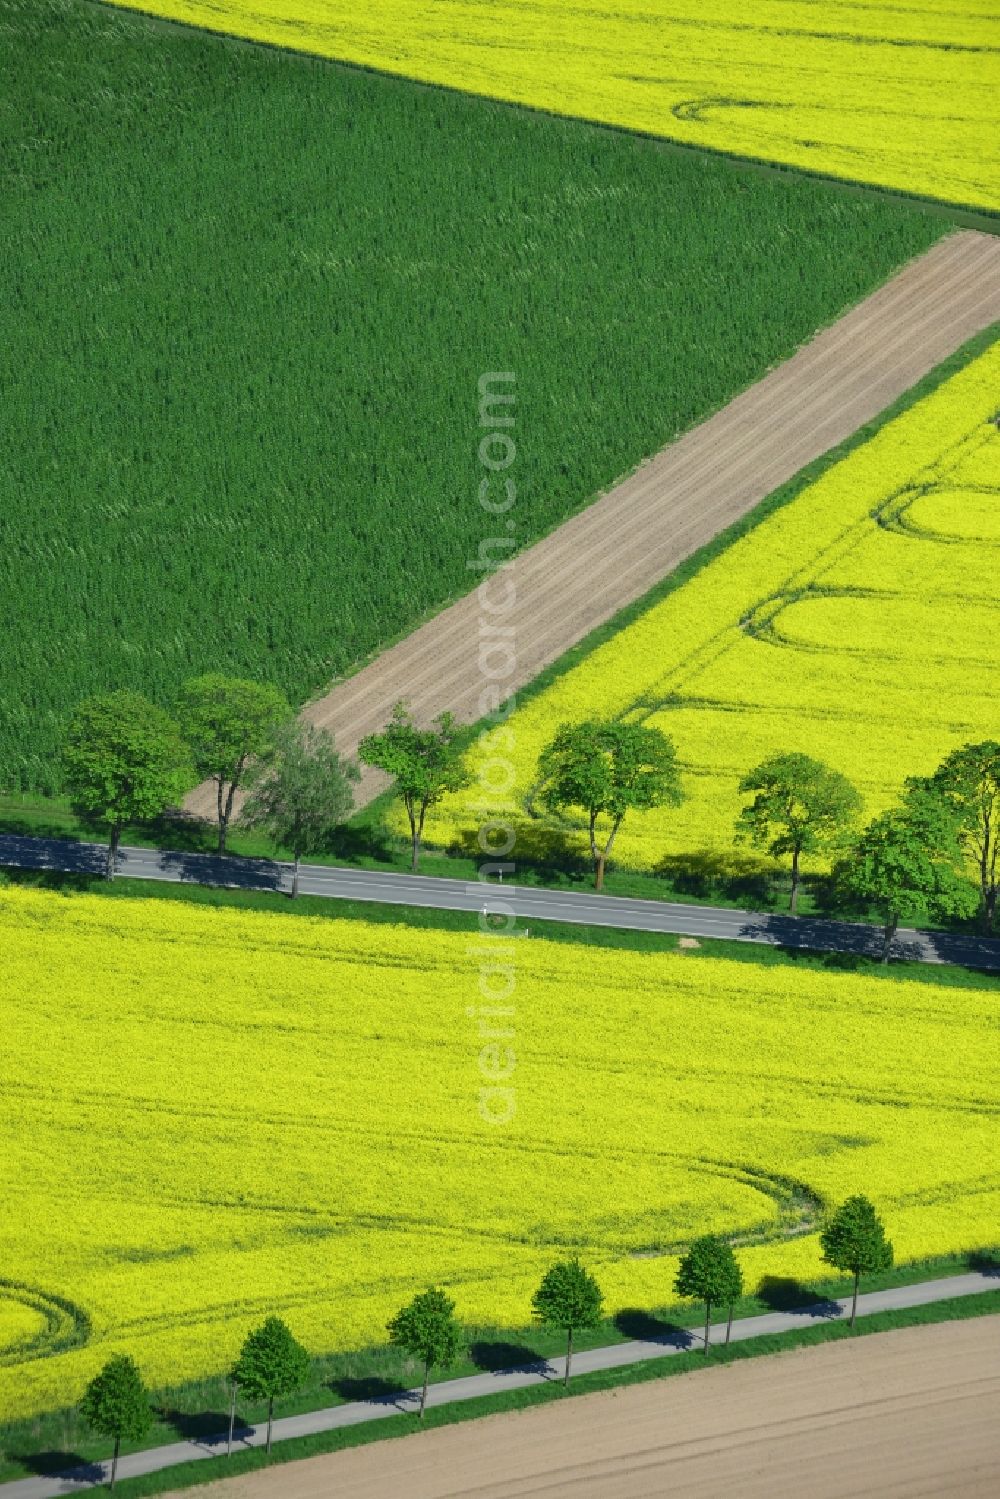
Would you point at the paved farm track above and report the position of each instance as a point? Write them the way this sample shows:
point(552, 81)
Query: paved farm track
point(613, 552)
point(907, 1415)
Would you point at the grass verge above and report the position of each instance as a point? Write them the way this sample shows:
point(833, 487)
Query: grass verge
point(249, 1459)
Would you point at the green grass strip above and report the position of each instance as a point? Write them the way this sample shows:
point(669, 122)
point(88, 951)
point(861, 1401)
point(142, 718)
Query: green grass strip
point(210, 1470)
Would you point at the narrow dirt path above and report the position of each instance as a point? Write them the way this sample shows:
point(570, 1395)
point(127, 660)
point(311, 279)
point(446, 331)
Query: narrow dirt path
point(618, 548)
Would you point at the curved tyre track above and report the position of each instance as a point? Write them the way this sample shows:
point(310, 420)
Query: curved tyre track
point(65, 1325)
point(614, 551)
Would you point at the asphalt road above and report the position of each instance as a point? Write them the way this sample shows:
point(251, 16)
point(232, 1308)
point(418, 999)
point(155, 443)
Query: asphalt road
point(525, 902)
point(668, 1341)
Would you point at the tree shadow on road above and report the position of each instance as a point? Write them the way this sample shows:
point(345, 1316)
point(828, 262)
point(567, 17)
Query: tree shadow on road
point(372, 1389)
point(206, 1428)
point(499, 1357)
point(645, 1327)
point(28, 859)
point(211, 869)
point(55, 1464)
point(783, 1293)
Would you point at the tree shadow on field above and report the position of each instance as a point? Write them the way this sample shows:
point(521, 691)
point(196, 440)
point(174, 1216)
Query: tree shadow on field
point(54, 880)
point(727, 879)
point(551, 854)
point(645, 1327)
point(68, 1465)
point(14, 826)
point(178, 829)
point(361, 842)
point(206, 1428)
point(372, 1389)
point(500, 1357)
point(783, 1293)
point(986, 1261)
point(845, 962)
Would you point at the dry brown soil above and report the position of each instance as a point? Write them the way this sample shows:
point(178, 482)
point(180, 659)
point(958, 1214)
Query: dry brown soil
point(619, 547)
point(912, 1414)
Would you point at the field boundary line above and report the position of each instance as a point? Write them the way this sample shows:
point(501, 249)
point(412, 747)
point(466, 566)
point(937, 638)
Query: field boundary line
point(965, 214)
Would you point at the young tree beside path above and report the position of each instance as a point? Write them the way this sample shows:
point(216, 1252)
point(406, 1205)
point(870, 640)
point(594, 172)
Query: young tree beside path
point(124, 761)
point(426, 763)
point(301, 794)
point(568, 1298)
point(608, 768)
point(853, 1241)
point(427, 1330)
point(116, 1405)
point(710, 1272)
point(801, 806)
point(228, 722)
point(271, 1365)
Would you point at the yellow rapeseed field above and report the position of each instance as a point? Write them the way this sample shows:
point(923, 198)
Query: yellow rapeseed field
point(209, 1115)
point(860, 624)
point(904, 97)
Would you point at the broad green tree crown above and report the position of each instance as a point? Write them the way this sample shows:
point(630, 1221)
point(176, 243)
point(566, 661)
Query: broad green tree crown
point(302, 793)
point(968, 781)
point(426, 764)
point(910, 859)
point(607, 768)
point(426, 1329)
point(568, 1298)
point(800, 806)
point(272, 1364)
point(116, 1405)
point(116, 1402)
point(124, 761)
point(228, 721)
point(710, 1272)
point(854, 1241)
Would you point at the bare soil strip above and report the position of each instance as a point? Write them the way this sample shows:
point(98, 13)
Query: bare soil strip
point(622, 545)
point(910, 1414)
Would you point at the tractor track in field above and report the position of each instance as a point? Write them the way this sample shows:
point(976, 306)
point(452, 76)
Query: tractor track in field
point(615, 550)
